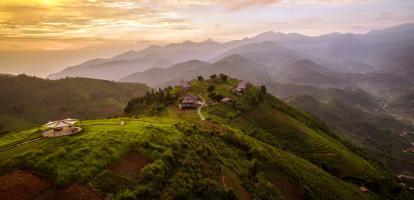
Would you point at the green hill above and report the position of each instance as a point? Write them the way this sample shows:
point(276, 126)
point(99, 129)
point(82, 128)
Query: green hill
point(28, 101)
point(403, 104)
point(377, 133)
point(252, 147)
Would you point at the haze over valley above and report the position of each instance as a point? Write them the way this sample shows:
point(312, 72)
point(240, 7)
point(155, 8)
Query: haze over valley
point(207, 100)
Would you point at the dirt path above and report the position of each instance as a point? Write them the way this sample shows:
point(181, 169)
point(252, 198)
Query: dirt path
point(21, 143)
point(203, 103)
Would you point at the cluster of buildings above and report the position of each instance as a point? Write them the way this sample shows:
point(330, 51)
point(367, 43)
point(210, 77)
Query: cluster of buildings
point(189, 101)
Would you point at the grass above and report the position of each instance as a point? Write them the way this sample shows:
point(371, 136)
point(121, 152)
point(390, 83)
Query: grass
point(190, 156)
point(81, 156)
point(13, 138)
point(30, 101)
point(314, 145)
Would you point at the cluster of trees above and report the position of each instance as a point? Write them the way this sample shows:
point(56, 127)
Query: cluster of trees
point(155, 100)
point(214, 94)
point(221, 77)
point(250, 97)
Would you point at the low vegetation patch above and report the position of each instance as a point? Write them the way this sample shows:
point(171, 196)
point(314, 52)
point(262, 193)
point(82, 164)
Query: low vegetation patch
point(18, 185)
point(130, 165)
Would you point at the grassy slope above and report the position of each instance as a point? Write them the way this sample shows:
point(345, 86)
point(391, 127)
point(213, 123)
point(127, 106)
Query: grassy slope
point(28, 101)
point(85, 158)
point(375, 132)
point(191, 156)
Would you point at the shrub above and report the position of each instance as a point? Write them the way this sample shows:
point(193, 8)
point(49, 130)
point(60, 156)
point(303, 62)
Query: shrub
point(211, 88)
point(216, 96)
point(200, 78)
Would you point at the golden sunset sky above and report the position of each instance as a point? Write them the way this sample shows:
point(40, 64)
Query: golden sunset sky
point(42, 36)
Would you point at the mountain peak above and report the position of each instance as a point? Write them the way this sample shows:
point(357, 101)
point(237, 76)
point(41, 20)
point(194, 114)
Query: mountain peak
point(306, 62)
point(234, 57)
point(188, 42)
point(400, 28)
point(209, 41)
point(269, 35)
point(127, 53)
point(274, 36)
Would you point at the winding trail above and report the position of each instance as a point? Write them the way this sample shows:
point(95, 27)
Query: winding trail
point(203, 103)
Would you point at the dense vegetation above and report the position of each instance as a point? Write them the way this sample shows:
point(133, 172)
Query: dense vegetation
point(378, 134)
point(254, 147)
point(28, 101)
point(153, 102)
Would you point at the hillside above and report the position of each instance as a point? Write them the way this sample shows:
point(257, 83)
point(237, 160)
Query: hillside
point(376, 132)
point(7, 75)
point(164, 75)
point(233, 65)
point(307, 72)
point(29, 101)
point(266, 53)
point(253, 147)
point(399, 62)
point(403, 104)
point(112, 70)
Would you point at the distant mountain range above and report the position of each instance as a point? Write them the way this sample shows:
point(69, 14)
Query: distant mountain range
point(331, 60)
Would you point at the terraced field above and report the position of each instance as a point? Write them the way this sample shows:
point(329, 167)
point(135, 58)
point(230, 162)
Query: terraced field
point(222, 110)
point(286, 133)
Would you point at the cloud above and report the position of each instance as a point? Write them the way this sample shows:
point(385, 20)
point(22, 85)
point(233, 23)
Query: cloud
point(87, 18)
point(236, 5)
point(174, 20)
point(91, 18)
point(249, 3)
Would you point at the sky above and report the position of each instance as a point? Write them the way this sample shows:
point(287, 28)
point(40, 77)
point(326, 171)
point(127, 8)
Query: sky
point(43, 36)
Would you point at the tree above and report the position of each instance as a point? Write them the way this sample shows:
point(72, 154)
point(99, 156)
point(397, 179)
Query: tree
point(215, 96)
point(211, 88)
point(262, 93)
point(213, 76)
point(158, 99)
point(223, 77)
point(200, 78)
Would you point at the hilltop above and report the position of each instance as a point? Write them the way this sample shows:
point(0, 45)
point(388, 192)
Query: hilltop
point(251, 146)
point(29, 101)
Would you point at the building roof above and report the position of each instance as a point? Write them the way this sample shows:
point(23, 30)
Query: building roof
point(363, 189)
point(184, 84)
point(241, 86)
point(189, 98)
point(61, 123)
point(226, 99)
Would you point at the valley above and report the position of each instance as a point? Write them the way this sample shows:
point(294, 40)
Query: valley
point(252, 147)
point(271, 116)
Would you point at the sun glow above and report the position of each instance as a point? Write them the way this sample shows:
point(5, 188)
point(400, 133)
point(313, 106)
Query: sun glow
point(50, 2)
